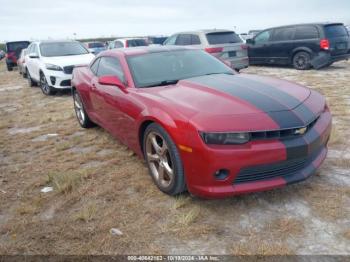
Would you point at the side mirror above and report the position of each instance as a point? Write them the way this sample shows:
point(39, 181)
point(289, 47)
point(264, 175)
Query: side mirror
point(33, 55)
point(250, 41)
point(111, 81)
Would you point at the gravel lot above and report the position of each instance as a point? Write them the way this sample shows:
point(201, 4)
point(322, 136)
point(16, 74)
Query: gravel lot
point(98, 184)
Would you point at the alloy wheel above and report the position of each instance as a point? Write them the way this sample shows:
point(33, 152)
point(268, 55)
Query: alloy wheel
point(79, 110)
point(159, 160)
point(44, 85)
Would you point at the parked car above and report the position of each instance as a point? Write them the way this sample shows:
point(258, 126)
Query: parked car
point(21, 62)
point(13, 50)
point(127, 42)
point(50, 63)
point(223, 44)
point(303, 46)
point(200, 125)
point(156, 40)
point(96, 47)
point(2, 54)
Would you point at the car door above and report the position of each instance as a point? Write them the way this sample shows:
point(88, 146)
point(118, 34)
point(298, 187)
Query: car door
point(36, 63)
point(281, 45)
point(31, 63)
point(108, 100)
point(259, 47)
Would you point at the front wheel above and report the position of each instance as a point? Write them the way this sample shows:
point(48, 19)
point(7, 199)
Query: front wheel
point(163, 160)
point(302, 61)
point(45, 87)
point(80, 112)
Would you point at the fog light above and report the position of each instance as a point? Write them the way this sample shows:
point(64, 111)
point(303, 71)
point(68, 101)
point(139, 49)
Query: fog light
point(221, 174)
point(53, 80)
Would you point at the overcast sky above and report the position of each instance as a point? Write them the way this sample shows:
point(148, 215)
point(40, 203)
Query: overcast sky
point(43, 19)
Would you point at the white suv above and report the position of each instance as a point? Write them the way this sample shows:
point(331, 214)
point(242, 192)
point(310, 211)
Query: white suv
point(50, 63)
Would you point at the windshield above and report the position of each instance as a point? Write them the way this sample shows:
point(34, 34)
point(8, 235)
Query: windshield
point(154, 69)
point(62, 49)
point(223, 38)
point(16, 46)
point(335, 31)
point(96, 45)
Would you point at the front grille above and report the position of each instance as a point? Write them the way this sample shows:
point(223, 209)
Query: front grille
point(281, 134)
point(65, 83)
point(68, 69)
point(269, 171)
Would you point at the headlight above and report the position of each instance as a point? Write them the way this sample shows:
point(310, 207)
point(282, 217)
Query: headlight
point(225, 138)
point(53, 67)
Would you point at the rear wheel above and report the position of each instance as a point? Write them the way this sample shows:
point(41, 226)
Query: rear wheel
point(9, 67)
point(163, 160)
point(302, 61)
point(45, 87)
point(80, 112)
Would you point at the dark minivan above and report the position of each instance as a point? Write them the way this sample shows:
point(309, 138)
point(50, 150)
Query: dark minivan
point(303, 46)
point(13, 50)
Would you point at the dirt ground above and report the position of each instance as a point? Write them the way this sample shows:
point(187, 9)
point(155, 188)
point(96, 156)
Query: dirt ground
point(99, 184)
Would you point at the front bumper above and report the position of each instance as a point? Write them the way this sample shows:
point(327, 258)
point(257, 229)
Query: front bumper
point(201, 165)
point(58, 79)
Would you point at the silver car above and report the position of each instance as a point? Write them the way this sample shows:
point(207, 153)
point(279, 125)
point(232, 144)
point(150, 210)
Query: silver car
point(223, 44)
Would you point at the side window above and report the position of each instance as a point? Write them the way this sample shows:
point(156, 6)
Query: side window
point(283, 34)
point(306, 32)
point(263, 37)
point(195, 40)
point(171, 40)
point(184, 39)
point(30, 48)
point(94, 66)
point(110, 66)
point(36, 49)
point(119, 44)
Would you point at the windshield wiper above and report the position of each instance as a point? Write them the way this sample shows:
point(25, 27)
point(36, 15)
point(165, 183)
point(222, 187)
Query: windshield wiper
point(164, 83)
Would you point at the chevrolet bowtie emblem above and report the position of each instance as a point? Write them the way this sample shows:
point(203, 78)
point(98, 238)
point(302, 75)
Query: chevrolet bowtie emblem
point(300, 131)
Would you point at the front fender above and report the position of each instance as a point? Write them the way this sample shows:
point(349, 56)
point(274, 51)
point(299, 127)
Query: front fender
point(175, 125)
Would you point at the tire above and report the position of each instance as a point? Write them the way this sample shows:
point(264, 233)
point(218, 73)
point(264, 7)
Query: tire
point(302, 61)
point(163, 160)
point(31, 82)
point(9, 68)
point(45, 87)
point(82, 116)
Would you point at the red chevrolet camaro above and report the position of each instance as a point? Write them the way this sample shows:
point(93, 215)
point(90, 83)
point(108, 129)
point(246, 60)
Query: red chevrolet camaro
point(199, 125)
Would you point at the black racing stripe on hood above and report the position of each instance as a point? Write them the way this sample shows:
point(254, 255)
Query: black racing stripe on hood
point(277, 111)
point(304, 113)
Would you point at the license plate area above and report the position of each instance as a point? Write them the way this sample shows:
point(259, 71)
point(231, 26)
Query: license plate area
point(340, 46)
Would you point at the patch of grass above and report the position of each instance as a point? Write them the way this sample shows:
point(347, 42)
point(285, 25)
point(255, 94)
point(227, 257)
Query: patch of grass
point(256, 246)
point(65, 182)
point(61, 146)
point(86, 214)
point(285, 227)
point(346, 234)
point(181, 201)
point(187, 218)
point(26, 209)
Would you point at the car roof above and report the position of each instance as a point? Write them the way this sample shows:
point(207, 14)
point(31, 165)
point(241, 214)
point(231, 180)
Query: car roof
point(129, 38)
point(56, 41)
point(145, 50)
point(315, 24)
point(205, 31)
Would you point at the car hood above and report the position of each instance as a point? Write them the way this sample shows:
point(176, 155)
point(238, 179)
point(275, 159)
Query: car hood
point(69, 60)
point(241, 102)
